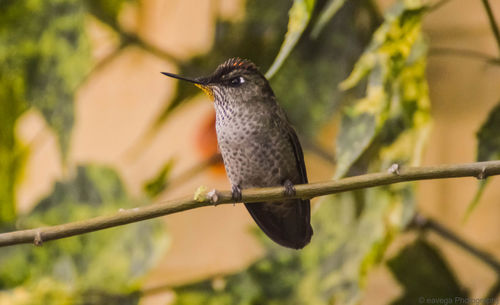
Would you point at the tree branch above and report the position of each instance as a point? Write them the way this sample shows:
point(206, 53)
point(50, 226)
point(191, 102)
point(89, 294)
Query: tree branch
point(422, 222)
point(480, 170)
point(493, 23)
point(465, 53)
point(437, 5)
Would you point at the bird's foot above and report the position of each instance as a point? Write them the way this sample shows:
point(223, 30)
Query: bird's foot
point(236, 192)
point(289, 188)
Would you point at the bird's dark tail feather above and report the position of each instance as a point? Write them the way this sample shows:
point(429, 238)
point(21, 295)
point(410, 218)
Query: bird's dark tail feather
point(287, 223)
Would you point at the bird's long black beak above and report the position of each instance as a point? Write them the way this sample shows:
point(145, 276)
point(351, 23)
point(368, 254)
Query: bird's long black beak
point(191, 80)
point(200, 83)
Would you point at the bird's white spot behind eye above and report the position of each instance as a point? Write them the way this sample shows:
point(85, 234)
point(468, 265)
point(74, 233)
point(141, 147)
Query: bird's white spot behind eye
point(237, 80)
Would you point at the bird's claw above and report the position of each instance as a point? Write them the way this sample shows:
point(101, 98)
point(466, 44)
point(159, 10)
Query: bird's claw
point(289, 188)
point(236, 192)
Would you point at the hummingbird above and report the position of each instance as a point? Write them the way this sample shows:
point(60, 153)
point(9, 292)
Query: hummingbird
point(259, 148)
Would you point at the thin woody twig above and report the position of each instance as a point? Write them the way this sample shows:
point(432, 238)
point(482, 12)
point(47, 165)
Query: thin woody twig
point(130, 38)
point(40, 235)
point(493, 23)
point(431, 225)
point(437, 5)
point(421, 222)
point(465, 53)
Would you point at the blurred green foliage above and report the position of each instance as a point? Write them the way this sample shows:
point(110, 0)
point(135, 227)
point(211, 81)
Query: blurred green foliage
point(384, 108)
point(432, 280)
point(331, 8)
point(159, 183)
point(106, 265)
point(299, 16)
point(44, 56)
point(488, 148)
point(394, 116)
point(388, 125)
point(489, 138)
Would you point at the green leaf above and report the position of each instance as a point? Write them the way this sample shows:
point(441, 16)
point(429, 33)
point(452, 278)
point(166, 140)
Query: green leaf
point(475, 201)
point(488, 149)
point(159, 183)
point(107, 264)
point(299, 16)
point(326, 14)
point(424, 275)
point(489, 138)
point(396, 105)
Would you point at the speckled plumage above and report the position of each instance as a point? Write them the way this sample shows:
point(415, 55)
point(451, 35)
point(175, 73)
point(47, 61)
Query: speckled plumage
point(259, 147)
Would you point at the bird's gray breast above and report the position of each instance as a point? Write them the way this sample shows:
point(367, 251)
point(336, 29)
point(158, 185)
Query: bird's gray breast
point(255, 147)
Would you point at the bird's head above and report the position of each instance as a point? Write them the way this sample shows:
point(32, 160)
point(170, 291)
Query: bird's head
point(236, 80)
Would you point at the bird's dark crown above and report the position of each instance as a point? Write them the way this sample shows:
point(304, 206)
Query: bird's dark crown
point(233, 64)
point(231, 68)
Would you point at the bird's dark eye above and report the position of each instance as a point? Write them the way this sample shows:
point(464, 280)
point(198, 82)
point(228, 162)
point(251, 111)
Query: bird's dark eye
point(237, 81)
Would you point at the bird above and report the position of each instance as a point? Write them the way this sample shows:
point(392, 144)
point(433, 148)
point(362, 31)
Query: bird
point(259, 148)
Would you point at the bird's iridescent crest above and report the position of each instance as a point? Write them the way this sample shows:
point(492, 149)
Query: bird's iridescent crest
point(235, 64)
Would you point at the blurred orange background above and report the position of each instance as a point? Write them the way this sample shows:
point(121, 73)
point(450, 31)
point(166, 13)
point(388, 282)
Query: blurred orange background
point(122, 99)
